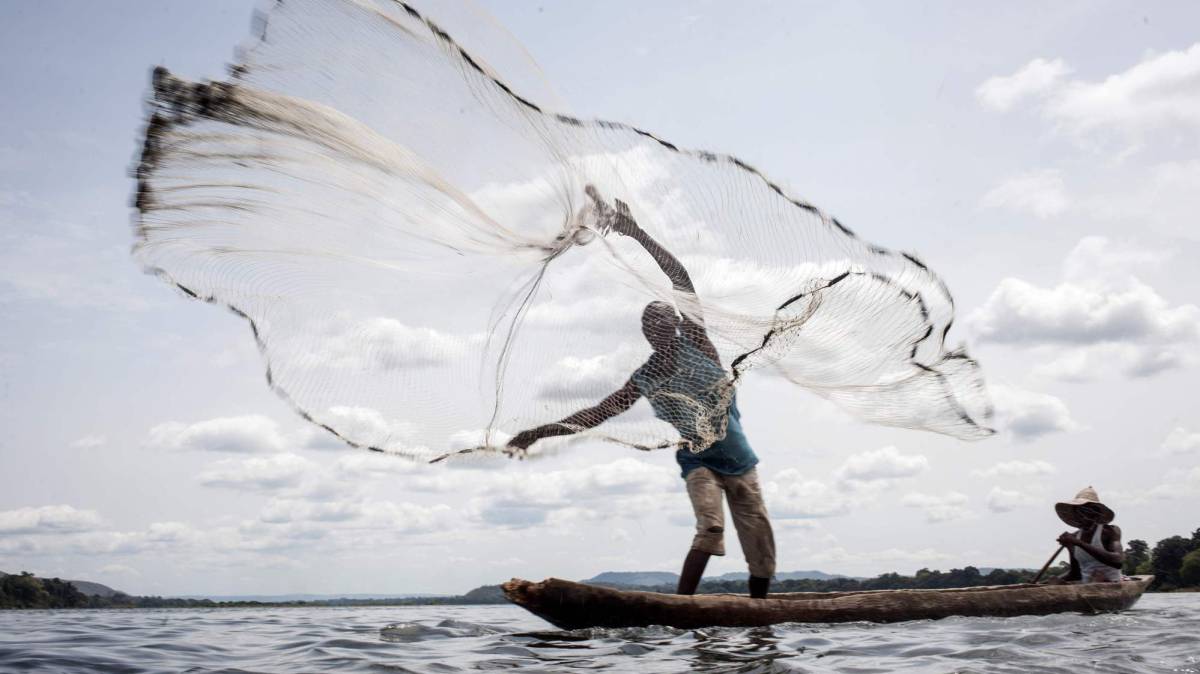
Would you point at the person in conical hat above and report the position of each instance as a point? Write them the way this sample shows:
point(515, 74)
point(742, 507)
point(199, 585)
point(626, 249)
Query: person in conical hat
point(1095, 546)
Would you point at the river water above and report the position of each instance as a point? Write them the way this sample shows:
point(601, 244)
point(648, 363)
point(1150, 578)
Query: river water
point(1161, 634)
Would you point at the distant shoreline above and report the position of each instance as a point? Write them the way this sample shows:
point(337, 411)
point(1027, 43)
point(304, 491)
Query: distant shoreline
point(27, 591)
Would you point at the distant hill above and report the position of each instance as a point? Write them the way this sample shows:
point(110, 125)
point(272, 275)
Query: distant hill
point(781, 575)
point(485, 594)
point(634, 578)
point(87, 587)
point(281, 598)
point(660, 578)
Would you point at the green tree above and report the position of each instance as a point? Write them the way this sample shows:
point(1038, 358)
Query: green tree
point(25, 591)
point(1189, 570)
point(63, 594)
point(1136, 554)
point(1166, 560)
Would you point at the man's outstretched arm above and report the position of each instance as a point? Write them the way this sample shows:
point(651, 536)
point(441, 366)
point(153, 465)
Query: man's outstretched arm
point(622, 222)
point(617, 402)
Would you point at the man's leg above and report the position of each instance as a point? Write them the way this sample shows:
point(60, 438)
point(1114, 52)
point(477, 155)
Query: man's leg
point(753, 529)
point(704, 490)
point(693, 570)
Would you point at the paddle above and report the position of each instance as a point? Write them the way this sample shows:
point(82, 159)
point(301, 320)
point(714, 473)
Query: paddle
point(1048, 563)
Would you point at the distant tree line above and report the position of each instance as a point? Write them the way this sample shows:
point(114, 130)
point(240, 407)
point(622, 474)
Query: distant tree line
point(924, 579)
point(27, 591)
point(1174, 561)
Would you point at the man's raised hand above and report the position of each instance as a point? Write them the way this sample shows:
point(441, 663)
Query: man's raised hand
point(619, 219)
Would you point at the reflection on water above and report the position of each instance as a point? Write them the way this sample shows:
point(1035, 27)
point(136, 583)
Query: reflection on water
point(1162, 634)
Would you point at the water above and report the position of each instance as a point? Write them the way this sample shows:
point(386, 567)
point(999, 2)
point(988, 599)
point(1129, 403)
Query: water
point(1161, 634)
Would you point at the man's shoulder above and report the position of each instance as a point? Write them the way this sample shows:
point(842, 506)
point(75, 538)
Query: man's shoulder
point(648, 371)
point(653, 363)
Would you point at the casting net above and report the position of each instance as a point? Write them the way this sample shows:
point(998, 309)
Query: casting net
point(431, 262)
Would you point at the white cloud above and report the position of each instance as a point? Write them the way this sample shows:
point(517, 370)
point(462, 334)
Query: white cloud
point(1028, 415)
point(363, 425)
point(385, 344)
point(790, 496)
point(585, 311)
point(407, 518)
point(1034, 78)
point(91, 539)
point(270, 473)
point(1161, 92)
point(1070, 313)
point(1097, 260)
point(358, 465)
point(51, 519)
point(949, 506)
point(170, 532)
point(1178, 483)
point(621, 477)
point(1017, 469)
point(1099, 318)
point(243, 435)
point(118, 570)
point(840, 554)
point(1086, 363)
point(89, 442)
point(515, 514)
point(1004, 500)
point(1040, 193)
point(1181, 441)
point(592, 377)
point(480, 437)
point(280, 511)
point(622, 488)
point(319, 519)
point(880, 465)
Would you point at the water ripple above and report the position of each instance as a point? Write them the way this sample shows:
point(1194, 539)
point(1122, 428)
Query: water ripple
point(1162, 634)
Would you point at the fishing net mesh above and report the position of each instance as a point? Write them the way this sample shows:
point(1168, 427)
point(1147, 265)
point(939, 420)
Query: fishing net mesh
point(431, 263)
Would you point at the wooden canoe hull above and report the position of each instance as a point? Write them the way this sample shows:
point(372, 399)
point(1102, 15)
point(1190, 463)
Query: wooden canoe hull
point(570, 605)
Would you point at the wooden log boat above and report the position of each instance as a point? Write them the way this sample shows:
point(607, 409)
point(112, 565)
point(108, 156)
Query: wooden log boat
point(571, 605)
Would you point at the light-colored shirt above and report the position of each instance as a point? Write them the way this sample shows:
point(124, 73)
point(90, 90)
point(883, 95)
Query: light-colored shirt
point(1092, 570)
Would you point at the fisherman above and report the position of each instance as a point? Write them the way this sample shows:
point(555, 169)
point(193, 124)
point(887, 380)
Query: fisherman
point(1095, 547)
point(687, 387)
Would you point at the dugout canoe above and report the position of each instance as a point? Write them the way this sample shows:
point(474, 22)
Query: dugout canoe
point(570, 605)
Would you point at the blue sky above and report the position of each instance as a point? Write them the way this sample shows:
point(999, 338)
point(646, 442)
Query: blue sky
point(1041, 157)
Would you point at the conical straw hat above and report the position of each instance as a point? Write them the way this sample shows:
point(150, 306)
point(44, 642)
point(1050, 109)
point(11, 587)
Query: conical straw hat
point(1068, 511)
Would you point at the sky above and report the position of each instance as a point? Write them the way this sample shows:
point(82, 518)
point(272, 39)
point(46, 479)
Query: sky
point(1042, 158)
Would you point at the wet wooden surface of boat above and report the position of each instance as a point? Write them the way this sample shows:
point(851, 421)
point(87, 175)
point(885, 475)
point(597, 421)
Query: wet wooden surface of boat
point(570, 605)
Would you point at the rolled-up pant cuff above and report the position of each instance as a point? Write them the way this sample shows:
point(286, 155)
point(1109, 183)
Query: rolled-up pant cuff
point(713, 544)
point(762, 571)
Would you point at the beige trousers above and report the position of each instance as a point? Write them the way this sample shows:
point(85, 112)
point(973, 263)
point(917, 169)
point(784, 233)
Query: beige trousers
point(707, 489)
